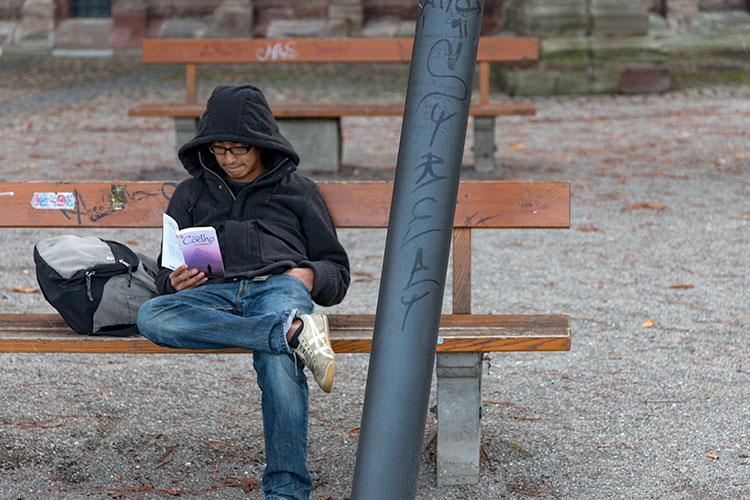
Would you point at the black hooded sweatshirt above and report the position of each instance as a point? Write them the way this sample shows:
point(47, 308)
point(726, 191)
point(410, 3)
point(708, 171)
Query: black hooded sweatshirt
point(276, 222)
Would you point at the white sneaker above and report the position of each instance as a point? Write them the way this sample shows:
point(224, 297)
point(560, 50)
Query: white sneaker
point(315, 350)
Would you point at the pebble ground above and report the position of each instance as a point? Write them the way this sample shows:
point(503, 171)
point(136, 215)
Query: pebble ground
point(653, 400)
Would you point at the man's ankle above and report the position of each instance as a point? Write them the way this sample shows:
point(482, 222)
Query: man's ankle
point(292, 335)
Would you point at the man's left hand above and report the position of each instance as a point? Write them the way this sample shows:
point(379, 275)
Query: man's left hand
point(304, 274)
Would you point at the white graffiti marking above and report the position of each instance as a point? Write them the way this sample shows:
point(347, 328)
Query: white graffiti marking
point(277, 52)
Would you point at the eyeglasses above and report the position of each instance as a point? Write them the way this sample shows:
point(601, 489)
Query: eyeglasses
point(236, 150)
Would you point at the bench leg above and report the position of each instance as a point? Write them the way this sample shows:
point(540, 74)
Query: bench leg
point(459, 406)
point(484, 143)
point(316, 140)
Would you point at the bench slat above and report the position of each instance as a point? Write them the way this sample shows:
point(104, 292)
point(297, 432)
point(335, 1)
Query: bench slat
point(195, 110)
point(335, 50)
point(352, 204)
point(45, 333)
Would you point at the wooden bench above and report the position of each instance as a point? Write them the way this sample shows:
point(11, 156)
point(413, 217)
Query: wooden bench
point(315, 129)
point(463, 336)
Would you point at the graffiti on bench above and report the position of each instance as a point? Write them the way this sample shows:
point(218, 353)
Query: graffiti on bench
point(81, 210)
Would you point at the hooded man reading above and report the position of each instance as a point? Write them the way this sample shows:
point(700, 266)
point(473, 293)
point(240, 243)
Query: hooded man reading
point(280, 253)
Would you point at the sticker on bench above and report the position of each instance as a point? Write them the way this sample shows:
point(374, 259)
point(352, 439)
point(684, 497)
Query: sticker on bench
point(54, 201)
point(117, 197)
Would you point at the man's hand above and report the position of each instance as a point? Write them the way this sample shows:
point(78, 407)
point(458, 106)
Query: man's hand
point(304, 274)
point(183, 279)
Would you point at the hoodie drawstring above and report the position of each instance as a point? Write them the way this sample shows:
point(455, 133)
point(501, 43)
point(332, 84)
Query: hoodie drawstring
point(195, 201)
point(275, 187)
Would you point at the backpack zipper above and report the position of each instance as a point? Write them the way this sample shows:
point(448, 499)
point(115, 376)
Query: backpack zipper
point(90, 274)
point(130, 272)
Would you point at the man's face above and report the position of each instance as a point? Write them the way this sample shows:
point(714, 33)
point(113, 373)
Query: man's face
point(241, 162)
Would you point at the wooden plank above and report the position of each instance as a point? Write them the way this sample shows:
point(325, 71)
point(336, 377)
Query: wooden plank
point(337, 50)
point(191, 83)
point(484, 82)
point(48, 333)
point(461, 271)
point(480, 204)
point(195, 110)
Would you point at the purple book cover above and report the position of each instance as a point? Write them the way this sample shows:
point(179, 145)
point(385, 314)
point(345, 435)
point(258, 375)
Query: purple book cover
point(200, 247)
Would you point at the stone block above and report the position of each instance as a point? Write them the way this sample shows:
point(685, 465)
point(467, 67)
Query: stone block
point(727, 21)
point(604, 81)
point(644, 80)
point(528, 82)
point(38, 23)
point(231, 19)
point(11, 10)
point(615, 17)
point(565, 53)
point(84, 33)
point(702, 44)
point(541, 17)
point(346, 9)
point(681, 14)
point(399, 9)
point(572, 83)
point(298, 28)
point(180, 27)
point(628, 52)
point(130, 26)
point(389, 28)
point(8, 32)
point(346, 17)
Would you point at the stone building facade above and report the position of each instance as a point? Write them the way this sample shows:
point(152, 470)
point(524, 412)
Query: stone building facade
point(586, 46)
point(121, 24)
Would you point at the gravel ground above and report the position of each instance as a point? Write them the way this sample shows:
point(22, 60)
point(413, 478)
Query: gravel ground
point(653, 400)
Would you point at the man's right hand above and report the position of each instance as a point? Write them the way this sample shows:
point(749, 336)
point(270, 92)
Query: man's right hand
point(184, 279)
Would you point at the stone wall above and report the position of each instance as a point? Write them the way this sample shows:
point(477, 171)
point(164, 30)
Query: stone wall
point(178, 8)
point(722, 4)
point(10, 9)
point(587, 45)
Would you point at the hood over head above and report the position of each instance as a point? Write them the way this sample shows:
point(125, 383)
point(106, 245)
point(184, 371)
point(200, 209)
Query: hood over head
point(236, 113)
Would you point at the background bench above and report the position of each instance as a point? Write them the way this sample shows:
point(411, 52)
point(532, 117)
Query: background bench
point(463, 337)
point(315, 129)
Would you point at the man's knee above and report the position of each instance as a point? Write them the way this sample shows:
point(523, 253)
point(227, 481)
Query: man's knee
point(149, 323)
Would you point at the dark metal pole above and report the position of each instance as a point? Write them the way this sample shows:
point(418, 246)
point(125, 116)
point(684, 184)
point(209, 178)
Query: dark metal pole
point(417, 249)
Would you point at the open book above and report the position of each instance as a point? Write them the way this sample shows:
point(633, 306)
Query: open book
point(198, 247)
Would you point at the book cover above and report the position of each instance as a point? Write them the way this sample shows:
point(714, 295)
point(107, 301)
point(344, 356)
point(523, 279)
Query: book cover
point(198, 247)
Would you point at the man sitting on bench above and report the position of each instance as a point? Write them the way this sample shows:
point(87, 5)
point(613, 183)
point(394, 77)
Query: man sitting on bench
point(280, 253)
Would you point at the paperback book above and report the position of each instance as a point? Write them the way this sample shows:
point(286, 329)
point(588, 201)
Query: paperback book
point(198, 247)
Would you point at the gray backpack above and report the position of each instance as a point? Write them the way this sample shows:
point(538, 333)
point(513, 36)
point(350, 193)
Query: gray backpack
point(96, 285)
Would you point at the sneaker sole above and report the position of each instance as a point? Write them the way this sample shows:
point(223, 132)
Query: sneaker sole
point(328, 381)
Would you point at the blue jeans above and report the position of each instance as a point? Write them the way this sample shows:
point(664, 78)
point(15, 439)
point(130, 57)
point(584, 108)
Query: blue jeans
point(254, 315)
